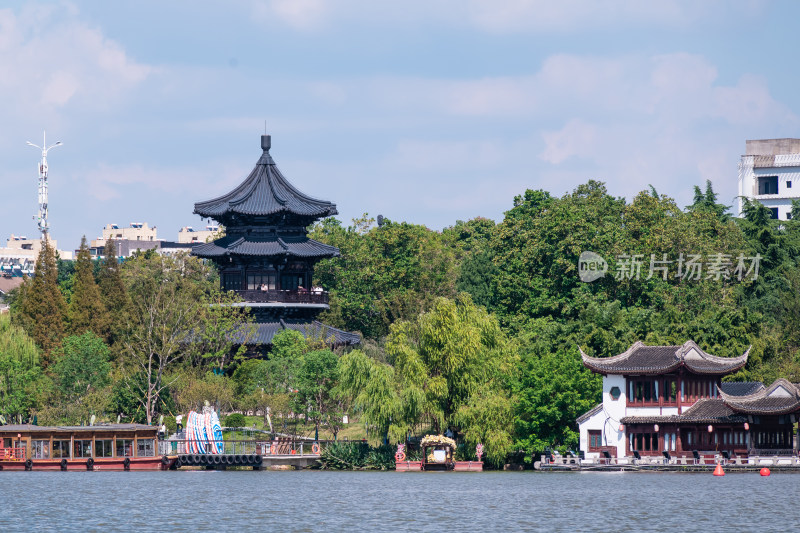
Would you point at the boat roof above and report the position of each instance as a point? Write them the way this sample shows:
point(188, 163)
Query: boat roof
point(28, 428)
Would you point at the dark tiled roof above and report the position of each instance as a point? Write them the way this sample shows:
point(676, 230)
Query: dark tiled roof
point(705, 411)
point(741, 388)
point(590, 413)
point(265, 192)
point(265, 331)
point(235, 245)
point(780, 398)
point(641, 359)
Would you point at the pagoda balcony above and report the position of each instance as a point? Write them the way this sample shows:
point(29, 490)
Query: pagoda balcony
point(287, 297)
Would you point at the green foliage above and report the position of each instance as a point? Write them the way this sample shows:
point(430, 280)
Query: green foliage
point(126, 399)
point(250, 376)
point(316, 395)
point(445, 365)
point(384, 274)
point(42, 310)
point(167, 296)
point(222, 330)
point(191, 392)
point(235, 420)
point(20, 375)
point(82, 366)
point(87, 312)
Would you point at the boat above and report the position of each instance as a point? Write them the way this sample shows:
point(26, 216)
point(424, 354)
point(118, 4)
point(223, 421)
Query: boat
point(438, 454)
point(101, 447)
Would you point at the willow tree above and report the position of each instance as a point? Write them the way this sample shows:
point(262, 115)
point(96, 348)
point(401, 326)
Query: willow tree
point(19, 371)
point(451, 368)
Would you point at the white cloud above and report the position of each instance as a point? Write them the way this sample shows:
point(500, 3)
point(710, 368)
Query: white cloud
point(576, 138)
point(302, 15)
point(50, 60)
point(499, 17)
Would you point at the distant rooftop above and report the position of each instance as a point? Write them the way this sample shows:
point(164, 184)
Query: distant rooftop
point(772, 147)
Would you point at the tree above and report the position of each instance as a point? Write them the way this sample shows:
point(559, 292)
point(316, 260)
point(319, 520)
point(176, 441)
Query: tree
point(166, 301)
point(42, 309)
point(216, 389)
point(19, 371)
point(112, 287)
point(386, 273)
point(87, 312)
point(222, 325)
point(316, 381)
point(443, 362)
point(553, 390)
point(82, 366)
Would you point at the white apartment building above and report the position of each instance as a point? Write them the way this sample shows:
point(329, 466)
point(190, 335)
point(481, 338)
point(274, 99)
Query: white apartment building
point(769, 172)
point(137, 231)
point(188, 234)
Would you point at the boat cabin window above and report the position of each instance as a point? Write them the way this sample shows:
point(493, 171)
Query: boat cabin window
point(83, 448)
point(146, 448)
point(40, 449)
point(103, 448)
point(7, 443)
point(61, 449)
point(124, 447)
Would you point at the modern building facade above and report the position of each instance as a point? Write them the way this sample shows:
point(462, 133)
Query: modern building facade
point(18, 257)
point(189, 235)
point(769, 172)
point(660, 400)
point(266, 255)
point(136, 231)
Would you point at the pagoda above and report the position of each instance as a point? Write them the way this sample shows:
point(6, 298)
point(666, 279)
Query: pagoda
point(266, 256)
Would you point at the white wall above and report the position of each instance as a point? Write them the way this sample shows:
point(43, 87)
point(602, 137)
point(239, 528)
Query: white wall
point(787, 168)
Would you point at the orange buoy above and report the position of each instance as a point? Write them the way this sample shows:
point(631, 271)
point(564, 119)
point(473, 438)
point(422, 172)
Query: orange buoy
point(765, 472)
point(718, 471)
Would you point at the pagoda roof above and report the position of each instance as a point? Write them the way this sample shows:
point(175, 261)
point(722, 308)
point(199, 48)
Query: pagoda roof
point(704, 411)
point(780, 398)
point(265, 331)
point(654, 360)
point(238, 245)
point(265, 192)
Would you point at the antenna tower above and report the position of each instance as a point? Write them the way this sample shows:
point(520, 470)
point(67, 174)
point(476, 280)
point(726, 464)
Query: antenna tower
point(44, 225)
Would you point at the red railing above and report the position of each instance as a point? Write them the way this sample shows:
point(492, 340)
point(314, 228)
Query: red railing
point(12, 454)
point(300, 297)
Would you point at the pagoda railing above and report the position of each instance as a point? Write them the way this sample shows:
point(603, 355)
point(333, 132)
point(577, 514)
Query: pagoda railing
point(275, 296)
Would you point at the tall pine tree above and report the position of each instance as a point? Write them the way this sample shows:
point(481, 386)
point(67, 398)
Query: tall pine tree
point(43, 311)
point(87, 312)
point(112, 289)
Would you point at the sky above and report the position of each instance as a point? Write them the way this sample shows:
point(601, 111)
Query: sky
point(425, 111)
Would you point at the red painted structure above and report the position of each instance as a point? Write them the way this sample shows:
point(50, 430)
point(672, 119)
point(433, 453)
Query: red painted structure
point(105, 447)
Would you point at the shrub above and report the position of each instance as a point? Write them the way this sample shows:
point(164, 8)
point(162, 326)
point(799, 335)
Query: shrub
point(235, 420)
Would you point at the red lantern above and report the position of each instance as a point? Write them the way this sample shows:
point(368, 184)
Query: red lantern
point(710, 428)
point(655, 427)
point(621, 428)
point(746, 426)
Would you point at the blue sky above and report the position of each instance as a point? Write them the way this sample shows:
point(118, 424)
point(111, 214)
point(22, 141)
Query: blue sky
point(426, 111)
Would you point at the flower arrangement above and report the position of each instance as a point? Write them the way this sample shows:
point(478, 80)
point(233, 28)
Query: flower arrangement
point(437, 439)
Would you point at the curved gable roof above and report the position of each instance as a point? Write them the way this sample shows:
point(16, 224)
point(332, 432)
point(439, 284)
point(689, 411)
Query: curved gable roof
point(265, 192)
point(654, 360)
point(780, 398)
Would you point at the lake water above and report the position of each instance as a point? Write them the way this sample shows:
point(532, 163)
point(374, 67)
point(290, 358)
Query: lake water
point(390, 501)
